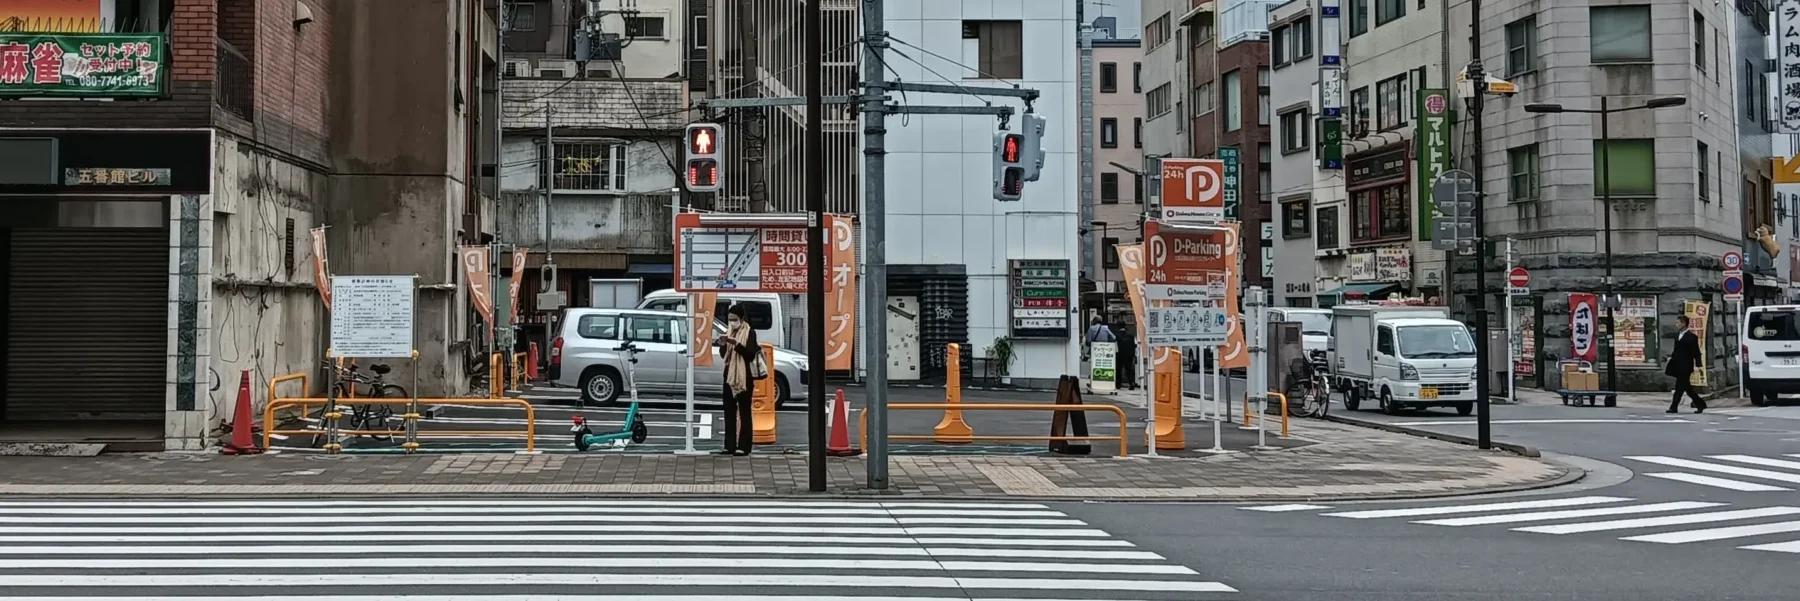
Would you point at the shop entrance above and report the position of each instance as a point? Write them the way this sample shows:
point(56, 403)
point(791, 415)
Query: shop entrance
point(86, 323)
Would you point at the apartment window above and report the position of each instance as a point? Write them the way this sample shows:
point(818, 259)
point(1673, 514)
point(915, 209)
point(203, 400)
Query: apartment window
point(593, 166)
point(1388, 10)
point(1262, 96)
point(1359, 17)
point(521, 16)
point(1109, 78)
point(1109, 132)
point(1294, 223)
point(1521, 46)
point(1382, 213)
point(1749, 87)
point(1156, 33)
point(1137, 188)
point(1296, 131)
point(1137, 132)
point(644, 27)
point(702, 32)
point(1522, 164)
point(1278, 46)
point(1619, 34)
point(1203, 98)
point(1109, 253)
point(1234, 101)
point(1359, 111)
point(999, 48)
point(1392, 98)
point(1179, 44)
point(1137, 78)
point(1109, 188)
point(1265, 173)
point(1699, 42)
point(1157, 101)
point(1326, 234)
point(1300, 36)
point(1181, 117)
point(1632, 165)
point(1702, 179)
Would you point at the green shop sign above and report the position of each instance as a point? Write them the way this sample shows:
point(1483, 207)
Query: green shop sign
point(103, 65)
point(1433, 132)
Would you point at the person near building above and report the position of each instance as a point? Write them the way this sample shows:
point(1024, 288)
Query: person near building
point(1682, 364)
point(1097, 332)
point(743, 356)
point(1128, 357)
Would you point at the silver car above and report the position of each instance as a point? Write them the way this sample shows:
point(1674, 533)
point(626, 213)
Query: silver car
point(586, 356)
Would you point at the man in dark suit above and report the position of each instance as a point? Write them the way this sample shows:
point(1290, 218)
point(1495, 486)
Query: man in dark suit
point(1682, 364)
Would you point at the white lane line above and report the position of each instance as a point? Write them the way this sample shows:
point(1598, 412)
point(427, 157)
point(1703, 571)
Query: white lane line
point(1762, 461)
point(1725, 483)
point(306, 520)
point(665, 511)
point(521, 529)
point(1545, 516)
point(328, 538)
point(1284, 508)
point(738, 581)
point(568, 550)
point(1787, 547)
point(600, 564)
point(1447, 510)
point(993, 522)
point(558, 597)
point(304, 504)
point(1461, 422)
point(1672, 520)
point(1694, 536)
point(1713, 467)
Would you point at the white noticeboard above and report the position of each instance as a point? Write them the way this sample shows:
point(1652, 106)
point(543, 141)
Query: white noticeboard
point(1103, 372)
point(372, 316)
point(1185, 326)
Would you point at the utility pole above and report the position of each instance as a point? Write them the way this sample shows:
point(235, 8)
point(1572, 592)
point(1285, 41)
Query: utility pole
point(1484, 430)
point(1085, 122)
point(550, 284)
point(755, 127)
point(874, 238)
point(815, 245)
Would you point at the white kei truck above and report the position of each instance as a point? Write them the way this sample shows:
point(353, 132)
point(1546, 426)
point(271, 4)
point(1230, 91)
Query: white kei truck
point(1402, 357)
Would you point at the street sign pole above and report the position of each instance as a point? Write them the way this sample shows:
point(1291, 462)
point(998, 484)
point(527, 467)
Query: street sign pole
point(1455, 229)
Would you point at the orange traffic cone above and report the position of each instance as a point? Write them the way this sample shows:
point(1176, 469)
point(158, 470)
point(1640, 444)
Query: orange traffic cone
point(242, 443)
point(838, 444)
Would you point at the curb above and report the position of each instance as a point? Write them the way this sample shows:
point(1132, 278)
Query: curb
point(1516, 449)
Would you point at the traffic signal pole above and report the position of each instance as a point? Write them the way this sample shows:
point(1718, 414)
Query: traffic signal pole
point(815, 247)
point(874, 240)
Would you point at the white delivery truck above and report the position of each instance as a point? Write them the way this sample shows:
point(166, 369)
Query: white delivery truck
point(1315, 326)
point(1402, 357)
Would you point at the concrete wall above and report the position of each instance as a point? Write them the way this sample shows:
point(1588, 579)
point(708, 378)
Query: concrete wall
point(649, 56)
point(1293, 86)
point(939, 182)
point(1124, 107)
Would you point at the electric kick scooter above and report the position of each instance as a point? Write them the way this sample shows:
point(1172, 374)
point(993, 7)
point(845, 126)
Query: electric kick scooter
point(634, 431)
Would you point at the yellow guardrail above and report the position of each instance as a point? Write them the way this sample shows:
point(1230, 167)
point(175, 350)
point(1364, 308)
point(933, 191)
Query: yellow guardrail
point(518, 373)
point(1259, 417)
point(411, 418)
point(301, 377)
point(863, 425)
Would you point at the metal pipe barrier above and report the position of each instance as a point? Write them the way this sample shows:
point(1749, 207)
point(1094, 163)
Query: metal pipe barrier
point(863, 424)
point(1260, 416)
point(301, 377)
point(518, 373)
point(411, 418)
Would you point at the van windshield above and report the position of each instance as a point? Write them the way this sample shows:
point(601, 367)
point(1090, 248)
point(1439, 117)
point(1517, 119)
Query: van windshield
point(1774, 325)
point(1436, 342)
point(1312, 324)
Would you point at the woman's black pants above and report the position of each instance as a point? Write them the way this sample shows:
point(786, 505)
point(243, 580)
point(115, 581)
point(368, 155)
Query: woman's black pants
point(738, 427)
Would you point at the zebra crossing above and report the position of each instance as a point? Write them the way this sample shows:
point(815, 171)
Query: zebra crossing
point(1775, 528)
point(1753, 473)
point(528, 549)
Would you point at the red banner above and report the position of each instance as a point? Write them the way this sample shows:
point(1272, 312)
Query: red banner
point(840, 300)
point(475, 270)
point(1584, 310)
point(518, 277)
point(321, 270)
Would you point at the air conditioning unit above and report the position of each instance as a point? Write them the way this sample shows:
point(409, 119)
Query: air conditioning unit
point(518, 68)
point(556, 69)
point(598, 69)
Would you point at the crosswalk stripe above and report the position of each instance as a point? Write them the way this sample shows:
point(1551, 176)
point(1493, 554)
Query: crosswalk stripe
point(1672, 520)
point(387, 535)
point(1713, 467)
point(1286, 508)
point(1754, 460)
point(1694, 536)
point(597, 564)
point(550, 549)
point(740, 581)
point(436, 519)
point(624, 528)
point(1787, 547)
point(1452, 509)
point(1545, 516)
point(553, 597)
point(717, 511)
point(312, 504)
point(1726, 483)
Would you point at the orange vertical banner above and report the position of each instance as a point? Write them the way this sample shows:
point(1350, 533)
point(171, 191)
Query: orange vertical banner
point(321, 269)
point(700, 344)
point(475, 270)
point(1232, 355)
point(518, 277)
point(1131, 262)
point(840, 299)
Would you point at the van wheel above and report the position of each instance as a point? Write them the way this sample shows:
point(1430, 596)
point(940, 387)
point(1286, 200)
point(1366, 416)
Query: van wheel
point(1352, 399)
point(600, 386)
point(781, 391)
point(1465, 409)
point(1388, 405)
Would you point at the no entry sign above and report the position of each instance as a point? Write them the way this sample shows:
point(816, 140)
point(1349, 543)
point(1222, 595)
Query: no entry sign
point(1518, 281)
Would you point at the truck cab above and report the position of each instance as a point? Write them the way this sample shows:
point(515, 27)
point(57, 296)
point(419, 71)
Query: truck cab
point(1403, 358)
point(1315, 327)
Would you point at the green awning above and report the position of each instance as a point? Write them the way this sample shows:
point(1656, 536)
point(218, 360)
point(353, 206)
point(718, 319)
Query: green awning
point(1362, 289)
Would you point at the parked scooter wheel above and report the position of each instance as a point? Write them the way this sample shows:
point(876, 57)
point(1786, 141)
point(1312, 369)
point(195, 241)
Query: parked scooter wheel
point(581, 443)
point(639, 431)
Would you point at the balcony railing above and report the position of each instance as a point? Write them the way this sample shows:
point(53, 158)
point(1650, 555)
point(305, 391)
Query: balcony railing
point(234, 76)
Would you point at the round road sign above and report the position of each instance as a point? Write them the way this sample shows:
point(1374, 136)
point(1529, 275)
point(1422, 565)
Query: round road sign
point(1733, 260)
point(1518, 277)
point(1733, 285)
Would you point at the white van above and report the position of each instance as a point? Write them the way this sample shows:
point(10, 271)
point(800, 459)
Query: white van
point(764, 310)
point(1770, 352)
point(1402, 357)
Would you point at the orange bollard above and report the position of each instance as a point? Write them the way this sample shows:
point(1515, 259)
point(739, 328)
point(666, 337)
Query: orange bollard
point(531, 361)
point(953, 429)
point(496, 376)
point(1169, 433)
point(762, 402)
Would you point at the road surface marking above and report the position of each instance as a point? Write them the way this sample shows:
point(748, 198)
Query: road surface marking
point(553, 597)
point(1787, 547)
point(1716, 482)
point(702, 550)
point(1470, 422)
point(329, 538)
point(597, 564)
point(1545, 516)
point(736, 581)
point(1754, 460)
point(376, 527)
point(575, 511)
point(1713, 467)
point(1692, 536)
point(1673, 520)
point(1282, 508)
point(190, 506)
point(1425, 511)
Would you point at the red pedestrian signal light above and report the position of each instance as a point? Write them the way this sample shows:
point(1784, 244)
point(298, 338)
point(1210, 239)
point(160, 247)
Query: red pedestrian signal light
point(702, 174)
point(702, 141)
point(1009, 148)
point(704, 157)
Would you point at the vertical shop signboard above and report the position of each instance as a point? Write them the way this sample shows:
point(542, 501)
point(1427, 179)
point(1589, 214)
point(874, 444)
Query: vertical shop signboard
point(1229, 155)
point(1331, 86)
point(1433, 132)
point(1040, 292)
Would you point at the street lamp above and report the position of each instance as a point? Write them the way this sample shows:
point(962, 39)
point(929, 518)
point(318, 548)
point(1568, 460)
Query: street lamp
point(1608, 302)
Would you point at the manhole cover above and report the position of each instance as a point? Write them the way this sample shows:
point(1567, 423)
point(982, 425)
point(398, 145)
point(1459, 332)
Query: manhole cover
point(1751, 431)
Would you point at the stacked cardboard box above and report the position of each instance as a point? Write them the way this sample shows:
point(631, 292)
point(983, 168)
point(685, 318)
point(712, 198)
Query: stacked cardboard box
point(1576, 377)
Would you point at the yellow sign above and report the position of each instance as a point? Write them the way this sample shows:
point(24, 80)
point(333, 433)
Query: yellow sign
point(1787, 170)
point(1697, 312)
point(98, 176)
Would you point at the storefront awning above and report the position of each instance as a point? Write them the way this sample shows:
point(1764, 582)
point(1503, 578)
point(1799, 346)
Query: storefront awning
point(651, 269)
point(1367, 290)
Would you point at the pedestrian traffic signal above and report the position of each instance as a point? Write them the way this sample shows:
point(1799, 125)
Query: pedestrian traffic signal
point(703, 172)
point(1009, 172)
point(1032, 128)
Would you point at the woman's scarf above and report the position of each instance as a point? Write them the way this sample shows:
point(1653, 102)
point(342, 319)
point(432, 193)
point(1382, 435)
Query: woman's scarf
point(737, 369)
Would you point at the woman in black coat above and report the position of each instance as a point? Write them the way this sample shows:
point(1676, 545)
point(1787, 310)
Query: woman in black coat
point(1682, 364)
point(741, 353)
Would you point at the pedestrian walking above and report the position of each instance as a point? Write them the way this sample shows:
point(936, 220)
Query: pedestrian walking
point(1682, 364)
point(1128, 358)
point(743, 367)
point(1097, 332)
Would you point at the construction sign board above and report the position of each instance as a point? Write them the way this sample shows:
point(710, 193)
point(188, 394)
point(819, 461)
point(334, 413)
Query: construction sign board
point(740, 257)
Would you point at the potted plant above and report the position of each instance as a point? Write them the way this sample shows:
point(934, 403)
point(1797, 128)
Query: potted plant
point(1000, 358)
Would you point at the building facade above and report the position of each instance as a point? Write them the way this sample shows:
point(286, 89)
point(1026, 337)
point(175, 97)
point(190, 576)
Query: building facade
point(1229, 71)
point(1118, 164)
point(1163, 77)
point(1298, 187)
point(178, 205)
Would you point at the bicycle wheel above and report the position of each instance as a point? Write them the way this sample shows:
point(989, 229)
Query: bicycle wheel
point(380, 417)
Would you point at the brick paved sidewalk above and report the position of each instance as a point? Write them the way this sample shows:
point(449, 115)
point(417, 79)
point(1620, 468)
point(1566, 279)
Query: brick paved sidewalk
point(1347, 463)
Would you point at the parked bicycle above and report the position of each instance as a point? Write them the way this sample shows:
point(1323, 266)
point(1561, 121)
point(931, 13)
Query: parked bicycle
point(351, 384)
point(1308, 390)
